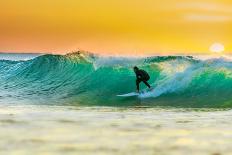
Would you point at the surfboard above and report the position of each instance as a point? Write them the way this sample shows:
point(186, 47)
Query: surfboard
point(134, 93)
point(129, 94)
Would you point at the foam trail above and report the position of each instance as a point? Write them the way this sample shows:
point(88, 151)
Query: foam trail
point(174, 82)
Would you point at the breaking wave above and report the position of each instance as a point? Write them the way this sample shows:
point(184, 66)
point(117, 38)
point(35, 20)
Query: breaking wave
point(87, 79)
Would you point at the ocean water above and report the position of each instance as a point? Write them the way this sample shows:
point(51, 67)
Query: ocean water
point(52, 130)
point(68, 104)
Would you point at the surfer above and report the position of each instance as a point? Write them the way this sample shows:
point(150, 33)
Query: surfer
point(141, 76)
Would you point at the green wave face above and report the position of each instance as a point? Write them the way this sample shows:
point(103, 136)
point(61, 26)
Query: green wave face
point(84, 79)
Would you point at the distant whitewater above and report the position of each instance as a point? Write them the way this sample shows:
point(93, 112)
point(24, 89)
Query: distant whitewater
point(86, 79)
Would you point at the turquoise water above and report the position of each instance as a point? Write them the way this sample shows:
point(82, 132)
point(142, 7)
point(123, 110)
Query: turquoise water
point(67, 104)
point(85, 79)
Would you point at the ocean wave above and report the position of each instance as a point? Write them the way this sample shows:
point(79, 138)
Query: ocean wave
point(88, 79)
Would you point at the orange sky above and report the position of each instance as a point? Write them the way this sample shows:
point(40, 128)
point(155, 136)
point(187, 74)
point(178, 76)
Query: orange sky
point(115, 26)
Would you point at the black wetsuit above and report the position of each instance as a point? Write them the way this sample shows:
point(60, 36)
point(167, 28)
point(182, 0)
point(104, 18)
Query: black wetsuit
point(142, 76)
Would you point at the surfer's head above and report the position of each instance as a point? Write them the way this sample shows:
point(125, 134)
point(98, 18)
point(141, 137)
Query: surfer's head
point(136, 68)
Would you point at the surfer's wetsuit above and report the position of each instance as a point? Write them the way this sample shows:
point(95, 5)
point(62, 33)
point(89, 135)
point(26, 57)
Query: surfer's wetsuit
point(141, 76)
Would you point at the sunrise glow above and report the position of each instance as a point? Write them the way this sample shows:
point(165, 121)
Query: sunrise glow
point(115, 26)
point(217, 48)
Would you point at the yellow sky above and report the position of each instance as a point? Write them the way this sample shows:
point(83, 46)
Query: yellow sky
point(115, 26)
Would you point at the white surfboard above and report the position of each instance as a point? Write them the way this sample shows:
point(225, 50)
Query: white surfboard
point(134, 93)
point(129, 94)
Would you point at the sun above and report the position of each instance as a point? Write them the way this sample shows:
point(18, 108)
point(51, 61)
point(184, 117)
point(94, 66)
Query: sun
point(217, 48)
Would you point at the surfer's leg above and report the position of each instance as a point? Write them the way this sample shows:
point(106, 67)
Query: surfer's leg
point(145, 82)
point(137, 84)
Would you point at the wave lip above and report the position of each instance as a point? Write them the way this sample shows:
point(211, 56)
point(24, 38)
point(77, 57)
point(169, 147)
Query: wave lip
point(83, 78)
